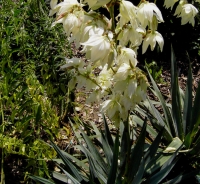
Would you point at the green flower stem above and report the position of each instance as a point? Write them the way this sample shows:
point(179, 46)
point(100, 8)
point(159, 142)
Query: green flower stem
point(141, 2)
point(111, 11)
point(88, 77)
point(113, 70)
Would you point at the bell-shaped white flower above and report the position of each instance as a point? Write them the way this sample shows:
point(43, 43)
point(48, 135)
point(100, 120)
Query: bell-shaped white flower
point(112, 107)
point(93, 30)
point(187, 12)
point(127, 10)
point(72, 63)
point(131, 34)
point(122, 72)
point(105, 78)
point(53, 3)
point(170, 3)
point(86, 27)
point(151, 39)
point(62, 8)
point(94, 26)
point(95, 4)
point(139, 95)
point(71, 23)
point(127, 86)
point(127, 106)
point(127, 56)
point(131, 87)
point(98, 47)
point(146, 11)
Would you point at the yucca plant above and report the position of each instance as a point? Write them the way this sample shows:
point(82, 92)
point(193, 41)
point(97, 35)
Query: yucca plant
point(121, 159)
point(180, 119)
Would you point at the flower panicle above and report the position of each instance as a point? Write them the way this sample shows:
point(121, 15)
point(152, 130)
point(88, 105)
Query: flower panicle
point(110, 46)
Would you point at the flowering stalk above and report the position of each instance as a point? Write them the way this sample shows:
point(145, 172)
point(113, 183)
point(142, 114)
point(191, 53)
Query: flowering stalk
point(111, 47)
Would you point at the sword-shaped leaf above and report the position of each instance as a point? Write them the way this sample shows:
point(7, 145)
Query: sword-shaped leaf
point(114, 166)
point(136, 155)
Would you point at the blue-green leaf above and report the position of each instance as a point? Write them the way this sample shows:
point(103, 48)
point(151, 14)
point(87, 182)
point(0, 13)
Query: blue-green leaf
point(153, 148)
point(70, 167)
point(136, 155)
point(114, 165)
point(175, 93)
point(164, 171)
point(41, 180)
point(93, 150)
point(187, 103)
point(107, 149)
point(107, 133)
point(168, 117)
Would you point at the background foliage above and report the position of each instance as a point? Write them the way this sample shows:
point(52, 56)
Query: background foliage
point(33, 93)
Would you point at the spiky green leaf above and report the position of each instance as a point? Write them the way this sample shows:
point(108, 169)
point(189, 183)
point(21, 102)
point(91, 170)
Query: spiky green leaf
point(108, 135)
point(41, 180)
point(68, 164)
point(153, 148)
point(93, 150)
point(107, 149)
point(136, 155)
point(169, 122)
point(113, 169)
point(187, 103)
point(175, 93)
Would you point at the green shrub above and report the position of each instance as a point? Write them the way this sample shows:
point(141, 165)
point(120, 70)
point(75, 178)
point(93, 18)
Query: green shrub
point(155, 71)
point(33, 94)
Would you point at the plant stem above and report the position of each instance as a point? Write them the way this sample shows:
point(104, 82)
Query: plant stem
point(111, 11)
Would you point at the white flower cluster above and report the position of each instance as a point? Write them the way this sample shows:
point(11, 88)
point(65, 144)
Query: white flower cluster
point(110, 45)
point(186, 11)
